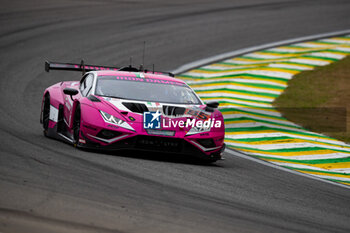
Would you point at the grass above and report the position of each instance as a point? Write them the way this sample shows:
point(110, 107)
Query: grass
point(318, 100)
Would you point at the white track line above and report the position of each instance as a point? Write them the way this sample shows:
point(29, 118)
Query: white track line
point(238, 52)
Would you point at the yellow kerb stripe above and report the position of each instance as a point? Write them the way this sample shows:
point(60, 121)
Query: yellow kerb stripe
point(289, 153)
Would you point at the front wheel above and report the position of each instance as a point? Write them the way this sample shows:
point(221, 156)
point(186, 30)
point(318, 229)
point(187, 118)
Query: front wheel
point(76, 126)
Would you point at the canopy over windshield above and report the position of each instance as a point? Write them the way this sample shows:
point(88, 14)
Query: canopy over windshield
point(144, 89)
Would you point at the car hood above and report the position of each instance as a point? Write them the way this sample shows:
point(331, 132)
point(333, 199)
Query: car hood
point(169, 110)
point(166, 119)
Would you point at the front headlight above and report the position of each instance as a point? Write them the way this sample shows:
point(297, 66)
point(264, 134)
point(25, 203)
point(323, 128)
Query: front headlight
point(108, 118)
point(111, 119)
point(195, 130)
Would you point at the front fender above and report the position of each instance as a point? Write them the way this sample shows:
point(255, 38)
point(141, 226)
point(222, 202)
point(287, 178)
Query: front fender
point(90, 115)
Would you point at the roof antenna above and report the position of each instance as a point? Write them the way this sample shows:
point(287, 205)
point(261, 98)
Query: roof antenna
point(130, 62)
point(143, 56)
point(82, 66)
point(153, 69)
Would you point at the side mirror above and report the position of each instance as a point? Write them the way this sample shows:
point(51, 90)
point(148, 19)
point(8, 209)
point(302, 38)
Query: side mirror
point(211, 105)
point(70, 91)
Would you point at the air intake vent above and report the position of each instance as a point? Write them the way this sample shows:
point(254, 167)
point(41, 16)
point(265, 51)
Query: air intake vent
point(136, 107)
point(108, 134)
point(173, 111)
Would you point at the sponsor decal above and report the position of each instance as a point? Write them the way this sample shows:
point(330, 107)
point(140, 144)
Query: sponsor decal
point(95, 67)
point(140, 77)
point(151, 120)
point(113, 126)
point(196, 113)
point(210, 123)
point(153, 107)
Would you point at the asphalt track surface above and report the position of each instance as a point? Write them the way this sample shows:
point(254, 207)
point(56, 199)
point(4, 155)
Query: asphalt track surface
point(49, 186)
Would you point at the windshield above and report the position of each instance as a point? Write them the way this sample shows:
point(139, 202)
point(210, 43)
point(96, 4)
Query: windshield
point(153, 90)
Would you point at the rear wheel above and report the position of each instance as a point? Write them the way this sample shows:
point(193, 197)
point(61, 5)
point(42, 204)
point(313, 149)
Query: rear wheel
point(76, 125)
point(46, 113)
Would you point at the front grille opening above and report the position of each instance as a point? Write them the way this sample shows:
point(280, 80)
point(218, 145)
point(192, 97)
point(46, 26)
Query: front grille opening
point(156, 143)
point(207, 142)
point(136, 107)
point(173, 110)
point(108, 134)
point(160, 132)
point(159, 143)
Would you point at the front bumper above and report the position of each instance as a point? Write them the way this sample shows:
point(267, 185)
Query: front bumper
point(156, 144)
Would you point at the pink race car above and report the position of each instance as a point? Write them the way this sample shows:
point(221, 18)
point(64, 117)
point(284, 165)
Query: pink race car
point(128, 108)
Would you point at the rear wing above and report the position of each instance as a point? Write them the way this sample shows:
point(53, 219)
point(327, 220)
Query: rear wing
point(75, 67)
point(86, 68)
